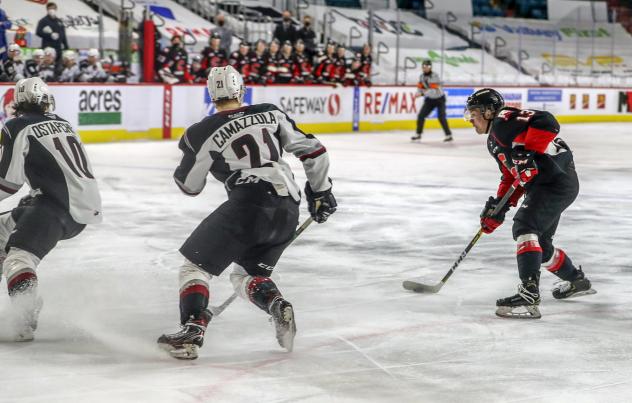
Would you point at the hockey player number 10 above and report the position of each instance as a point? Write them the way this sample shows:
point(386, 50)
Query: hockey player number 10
point(80, 166)
point(248, 142)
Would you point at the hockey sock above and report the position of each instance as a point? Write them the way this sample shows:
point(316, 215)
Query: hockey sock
point(529, 256)
point(259, 290)
point(19, 267)
point(22, 282)
point(561, 265)
point(263, 292)
point(194, 292)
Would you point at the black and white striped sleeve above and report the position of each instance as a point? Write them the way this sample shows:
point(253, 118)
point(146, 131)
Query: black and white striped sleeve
point(12, 175)
point(190, 175)
point(308, 149)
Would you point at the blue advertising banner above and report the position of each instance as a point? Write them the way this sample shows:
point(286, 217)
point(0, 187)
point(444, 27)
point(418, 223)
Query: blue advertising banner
point(544, 95)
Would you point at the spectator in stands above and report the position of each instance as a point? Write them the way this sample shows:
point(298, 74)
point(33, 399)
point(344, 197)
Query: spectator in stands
point(303, 62)
point(173, 62)
point(225, 33)
point(272, 61)
point(32, 66)
point(213, 55)
point(366, 59)
point(258, 64)
point(354, 74)
point(91, 69)
point(197, 71)
point(285, 30)
point(430, 87)
point(51, 30)
point(340, 64)
point(324, 71)
point(13, 67)
point(240, 59)
point(308, 36)
point(4, 25)
point(49, 70)
point(71, 71)
point(120, 72)
point(286, 70)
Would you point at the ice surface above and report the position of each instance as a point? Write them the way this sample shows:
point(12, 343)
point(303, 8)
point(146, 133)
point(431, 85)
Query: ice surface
point(406, 211)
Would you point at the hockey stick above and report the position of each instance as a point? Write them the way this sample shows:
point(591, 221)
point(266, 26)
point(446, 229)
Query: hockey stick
point(216, 310)
point(433, 289)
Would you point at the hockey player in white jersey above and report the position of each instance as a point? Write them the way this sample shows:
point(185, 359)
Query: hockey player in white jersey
point(41, 149)
point(241, 146)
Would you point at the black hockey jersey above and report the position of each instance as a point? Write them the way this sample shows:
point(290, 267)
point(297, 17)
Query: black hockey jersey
point(535, 131)
point(246, 145)
point(213, 58)
point(44, 151)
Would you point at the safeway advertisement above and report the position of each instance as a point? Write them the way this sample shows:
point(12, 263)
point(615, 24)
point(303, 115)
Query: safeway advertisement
point(309, 104)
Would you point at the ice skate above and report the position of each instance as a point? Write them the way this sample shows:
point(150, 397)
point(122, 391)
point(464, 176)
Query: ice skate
point(448, 138)
point(184, 344)
point(283, 318)
point(416, 137)
point(570, 289)
point(27, 313)
point(523, 305)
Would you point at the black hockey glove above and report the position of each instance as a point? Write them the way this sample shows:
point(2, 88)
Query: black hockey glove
point(524, 167)
point(490, 221)
point(320, 204)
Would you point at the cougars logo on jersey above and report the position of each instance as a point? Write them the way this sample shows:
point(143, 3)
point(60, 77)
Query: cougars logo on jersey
point(533, 131)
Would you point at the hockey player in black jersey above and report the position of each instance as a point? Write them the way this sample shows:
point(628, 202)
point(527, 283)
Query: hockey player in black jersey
point(529, 154)
point(242, 147)
point(41, 149)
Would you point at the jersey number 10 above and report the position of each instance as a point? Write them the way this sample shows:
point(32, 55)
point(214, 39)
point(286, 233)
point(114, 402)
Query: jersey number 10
point(80, 165)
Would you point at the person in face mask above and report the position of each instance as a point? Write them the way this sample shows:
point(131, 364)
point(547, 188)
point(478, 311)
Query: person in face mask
point(285, 30)
point(225, 33)
point(52, 31)
point(308, 36)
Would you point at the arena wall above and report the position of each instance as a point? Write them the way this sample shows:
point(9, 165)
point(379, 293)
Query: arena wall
point(105, 113)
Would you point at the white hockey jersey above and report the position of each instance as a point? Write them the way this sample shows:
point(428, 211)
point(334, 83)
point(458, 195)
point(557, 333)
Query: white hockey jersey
point(44, 151)
point(249, 142)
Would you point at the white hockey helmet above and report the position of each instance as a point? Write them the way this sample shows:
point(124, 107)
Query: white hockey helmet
point(38, 53)
point(50, 52)
point(93, 52)
point(69, 55)
point(33, 91)
point(14, 47)
point(225, 83)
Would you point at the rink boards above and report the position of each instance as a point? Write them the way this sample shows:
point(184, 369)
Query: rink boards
point(104, 113)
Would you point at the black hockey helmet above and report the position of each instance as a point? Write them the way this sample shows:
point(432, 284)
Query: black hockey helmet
point(487, 100)
point(427, 62)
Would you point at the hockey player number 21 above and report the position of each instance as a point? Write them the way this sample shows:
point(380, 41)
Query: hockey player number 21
point(80, 165)
point(248, 142)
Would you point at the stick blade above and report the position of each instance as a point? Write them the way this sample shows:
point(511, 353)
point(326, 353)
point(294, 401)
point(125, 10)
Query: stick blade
point(421, 288)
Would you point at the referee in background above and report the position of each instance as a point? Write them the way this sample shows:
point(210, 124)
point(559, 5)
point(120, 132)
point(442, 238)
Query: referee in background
point(430, 87)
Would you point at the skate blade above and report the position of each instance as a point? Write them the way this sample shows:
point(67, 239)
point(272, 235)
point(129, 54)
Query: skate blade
point(25, 337)
point(530, 312)
point(186, 352)
point(286, 339)
point(581, 294)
